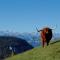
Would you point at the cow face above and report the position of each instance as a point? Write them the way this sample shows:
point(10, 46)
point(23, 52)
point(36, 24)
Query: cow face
point(46, 30)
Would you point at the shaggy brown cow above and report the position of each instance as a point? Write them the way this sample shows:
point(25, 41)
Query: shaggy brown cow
point(46, 35)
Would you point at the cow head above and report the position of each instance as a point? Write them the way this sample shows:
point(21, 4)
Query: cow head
point(45, 29)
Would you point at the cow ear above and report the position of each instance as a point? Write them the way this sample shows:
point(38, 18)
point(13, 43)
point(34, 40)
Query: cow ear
point(40, 30)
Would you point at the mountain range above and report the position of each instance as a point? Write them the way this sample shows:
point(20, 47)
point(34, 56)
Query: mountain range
point(31, 38)
point(20, 42)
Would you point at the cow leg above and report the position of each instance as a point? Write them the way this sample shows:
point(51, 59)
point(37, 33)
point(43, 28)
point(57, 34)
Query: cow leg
point(43, 43)
point(47, 42)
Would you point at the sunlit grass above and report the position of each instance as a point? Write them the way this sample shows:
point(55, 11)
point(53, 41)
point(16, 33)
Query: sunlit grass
point(51, 52)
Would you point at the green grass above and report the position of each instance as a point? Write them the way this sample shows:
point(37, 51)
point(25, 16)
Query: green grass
point(51, 52)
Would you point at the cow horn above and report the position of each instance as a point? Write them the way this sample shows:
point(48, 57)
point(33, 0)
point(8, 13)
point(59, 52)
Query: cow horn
point(38, 30)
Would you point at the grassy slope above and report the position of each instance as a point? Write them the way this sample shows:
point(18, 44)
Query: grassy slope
point(51, 52)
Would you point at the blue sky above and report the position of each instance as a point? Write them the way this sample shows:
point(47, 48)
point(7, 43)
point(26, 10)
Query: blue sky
point(25, 15)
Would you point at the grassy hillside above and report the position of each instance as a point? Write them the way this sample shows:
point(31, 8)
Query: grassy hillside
point(51, 52)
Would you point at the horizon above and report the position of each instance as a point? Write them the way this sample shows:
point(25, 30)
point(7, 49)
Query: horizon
point(24, 16)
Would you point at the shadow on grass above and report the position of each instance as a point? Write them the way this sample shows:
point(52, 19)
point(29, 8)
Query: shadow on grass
point(55, 42)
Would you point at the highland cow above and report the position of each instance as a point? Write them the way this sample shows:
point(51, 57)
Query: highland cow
point(46, 35)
